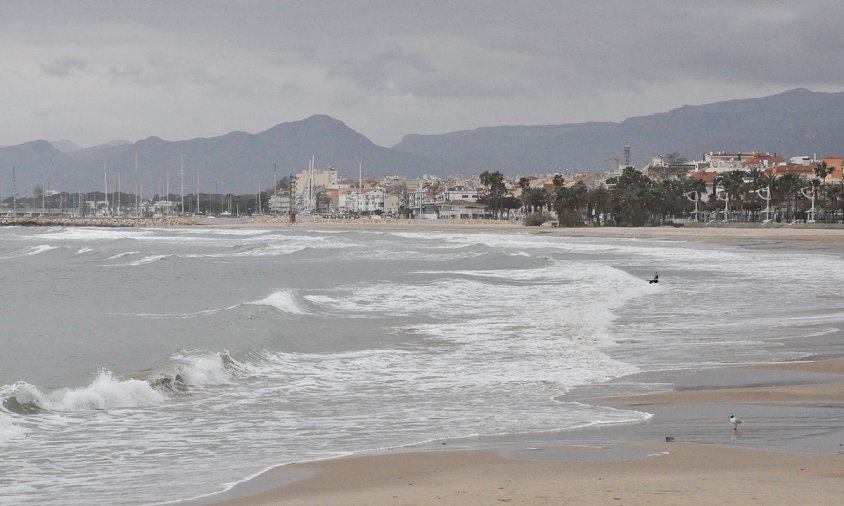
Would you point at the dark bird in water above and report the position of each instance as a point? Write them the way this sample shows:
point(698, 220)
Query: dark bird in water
point(655, 279)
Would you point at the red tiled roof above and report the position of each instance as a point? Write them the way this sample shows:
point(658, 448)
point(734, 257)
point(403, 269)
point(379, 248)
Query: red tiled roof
point(760, 159)
point(707, 177)
point(791, 168)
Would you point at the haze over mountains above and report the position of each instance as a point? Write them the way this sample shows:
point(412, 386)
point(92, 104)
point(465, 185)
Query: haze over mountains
point(796, 122)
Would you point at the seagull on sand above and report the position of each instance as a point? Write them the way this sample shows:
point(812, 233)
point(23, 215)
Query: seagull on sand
point(655, 279)
point(734, 422)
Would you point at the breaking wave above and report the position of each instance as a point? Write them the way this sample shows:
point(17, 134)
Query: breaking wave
point(196, 368)
point(184, 369)
point(105, 392)
point(283, 300)
point(32, 250)
point(125, 254)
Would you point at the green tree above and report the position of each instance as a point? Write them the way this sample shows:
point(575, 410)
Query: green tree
point(630, 198)
point(599, 204)
point(569, 203)
point(788, 186)
point(734, 188)
point(699, 187)
point(494, 182)
point(536, 199)
point(822, 170)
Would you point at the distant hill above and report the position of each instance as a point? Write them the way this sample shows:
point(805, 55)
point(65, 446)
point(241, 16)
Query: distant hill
point(236, 162)
point(797, 122)
point(66, 146)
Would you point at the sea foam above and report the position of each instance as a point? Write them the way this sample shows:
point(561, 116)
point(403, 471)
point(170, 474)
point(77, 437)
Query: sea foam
point(32, 250)
point(283, 300)
point(105, 392)
point(8, 430)
point(197, 368)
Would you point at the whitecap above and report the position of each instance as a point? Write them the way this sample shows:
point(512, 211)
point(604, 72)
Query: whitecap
point(124, 254)
point(204, 368)
point(33, 250)
point(8, 430)
point(283, 300)
point(105, 392)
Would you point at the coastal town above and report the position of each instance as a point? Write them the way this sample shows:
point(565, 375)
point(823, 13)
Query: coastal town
point(720, 187)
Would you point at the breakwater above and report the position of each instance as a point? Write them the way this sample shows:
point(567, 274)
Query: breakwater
point(72, 221)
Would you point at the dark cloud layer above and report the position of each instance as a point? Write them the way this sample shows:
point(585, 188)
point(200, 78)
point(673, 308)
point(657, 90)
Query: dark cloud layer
point(392, 67)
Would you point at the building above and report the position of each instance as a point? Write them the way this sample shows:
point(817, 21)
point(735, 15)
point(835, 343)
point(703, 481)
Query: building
point(835, 163)
point(462, 193)
point(721, 161)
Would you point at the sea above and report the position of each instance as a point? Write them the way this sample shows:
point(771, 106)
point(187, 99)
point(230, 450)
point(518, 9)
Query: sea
point(149, 366)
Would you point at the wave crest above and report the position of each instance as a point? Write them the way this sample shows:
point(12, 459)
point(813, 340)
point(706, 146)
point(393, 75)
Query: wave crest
point(283, 300)
point(105, 392)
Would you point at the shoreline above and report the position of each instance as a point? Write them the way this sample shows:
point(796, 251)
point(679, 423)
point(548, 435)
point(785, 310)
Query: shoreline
point(704, 462)
point(791, 430)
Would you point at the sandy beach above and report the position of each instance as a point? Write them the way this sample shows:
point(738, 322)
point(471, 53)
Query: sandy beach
point(805, 235)
point(789, 450)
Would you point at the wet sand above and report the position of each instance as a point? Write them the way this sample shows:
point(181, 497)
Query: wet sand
point(789, 450)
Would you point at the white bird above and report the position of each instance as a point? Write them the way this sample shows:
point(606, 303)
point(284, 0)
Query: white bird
point(734, 421)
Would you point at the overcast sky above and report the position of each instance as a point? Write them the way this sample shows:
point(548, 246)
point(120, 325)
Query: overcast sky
point(95, 71)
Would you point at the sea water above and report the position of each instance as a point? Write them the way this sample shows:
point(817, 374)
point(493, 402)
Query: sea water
point(146, 366)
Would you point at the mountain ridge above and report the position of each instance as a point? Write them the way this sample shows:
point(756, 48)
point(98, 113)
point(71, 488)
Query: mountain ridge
point(795, 122)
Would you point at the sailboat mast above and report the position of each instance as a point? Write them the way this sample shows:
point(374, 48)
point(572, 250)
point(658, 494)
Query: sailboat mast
point(137, 189)
point(105, 187)
point(360, 188)
point(182, 210)
point(43, 190)
point(14, 193)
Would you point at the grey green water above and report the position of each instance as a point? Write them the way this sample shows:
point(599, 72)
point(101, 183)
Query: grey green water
point(145, 366)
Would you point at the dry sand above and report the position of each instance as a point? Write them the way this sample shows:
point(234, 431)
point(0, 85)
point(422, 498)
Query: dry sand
point(633, 465)
point(676, 473)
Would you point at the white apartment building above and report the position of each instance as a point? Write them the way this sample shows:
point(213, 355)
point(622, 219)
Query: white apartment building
point(463, 193)
point(369, 202)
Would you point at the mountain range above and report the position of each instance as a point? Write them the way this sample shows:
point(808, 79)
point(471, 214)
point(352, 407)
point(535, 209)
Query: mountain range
point(796, 122)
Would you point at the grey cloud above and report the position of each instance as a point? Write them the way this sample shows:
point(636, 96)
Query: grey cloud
point(379, 70)
point(428, 65)
point(65, 66)
point(165, 72)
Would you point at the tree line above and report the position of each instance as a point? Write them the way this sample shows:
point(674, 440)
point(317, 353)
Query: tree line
point(634, 199)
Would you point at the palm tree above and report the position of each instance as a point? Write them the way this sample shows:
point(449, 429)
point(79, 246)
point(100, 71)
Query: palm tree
point(755, 182)
point(833, 194)
point(629, 198)
point(698, 186)
point(598, 202)
point(734, 186)
point(821, 171)
point(494, 181)
point(769, 181)
point(789, 187)
point(568, 203)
